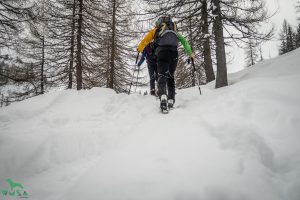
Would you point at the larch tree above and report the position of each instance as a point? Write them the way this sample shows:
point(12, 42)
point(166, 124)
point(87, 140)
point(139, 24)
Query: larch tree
point(298, 10)
point(287, 37)
point(12, 15)
point(234, 20)
point(35, 46)
point(209, 71)
point(241, 20)
point(297, 37)
point(221, 79)
point(283, 37)
point(62, 27)
point(117, 46)
point(290, 39)
point(252, 53)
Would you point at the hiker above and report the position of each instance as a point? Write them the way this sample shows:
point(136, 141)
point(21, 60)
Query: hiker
point(166, 37)
point(149, 55)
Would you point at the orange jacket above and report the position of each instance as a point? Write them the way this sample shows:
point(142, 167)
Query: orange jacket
point(146, 40)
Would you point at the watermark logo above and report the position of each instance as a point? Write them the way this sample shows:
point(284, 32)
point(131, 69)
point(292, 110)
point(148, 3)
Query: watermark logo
point(15, 190)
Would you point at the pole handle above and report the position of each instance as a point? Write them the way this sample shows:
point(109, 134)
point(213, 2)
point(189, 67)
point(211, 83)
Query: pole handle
point(137, 58)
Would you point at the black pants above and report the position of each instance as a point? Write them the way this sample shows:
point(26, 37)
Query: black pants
point(166, 66)
point(152, 68)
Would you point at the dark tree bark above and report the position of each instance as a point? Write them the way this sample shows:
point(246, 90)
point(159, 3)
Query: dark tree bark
point(79, 47)
point(290, 39)
point(220, 46)
point(190, 30)
point(297, 40)
point(113, 47)
point(42, 65)
point(209, 71)
point(72, 48)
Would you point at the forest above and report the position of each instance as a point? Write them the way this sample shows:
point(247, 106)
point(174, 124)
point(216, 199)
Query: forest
point(81, 44)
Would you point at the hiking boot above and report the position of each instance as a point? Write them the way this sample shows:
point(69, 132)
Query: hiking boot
point(163, 102)
point(171, 103)
point(153, 92)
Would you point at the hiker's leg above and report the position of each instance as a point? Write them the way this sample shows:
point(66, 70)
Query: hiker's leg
point(151, 71)
point(171, 73)
point(155, 69)
point(163, 61)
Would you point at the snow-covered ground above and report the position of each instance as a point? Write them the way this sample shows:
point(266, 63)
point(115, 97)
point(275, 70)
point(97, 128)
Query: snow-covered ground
point(235, 143)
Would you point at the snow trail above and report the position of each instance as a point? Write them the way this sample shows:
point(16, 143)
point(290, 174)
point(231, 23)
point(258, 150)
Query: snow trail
point(238, 142)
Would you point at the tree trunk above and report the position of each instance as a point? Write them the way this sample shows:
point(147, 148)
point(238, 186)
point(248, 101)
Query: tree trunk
point(79, 35)
point(72, 48)
point(113, 47)
point(260, 52)
point(42, 65)
point(192, 46)
point(108, 60)
point(220, 46)
point(251, 49)
point(209, 71)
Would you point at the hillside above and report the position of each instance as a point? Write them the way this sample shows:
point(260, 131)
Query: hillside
point(238, 142)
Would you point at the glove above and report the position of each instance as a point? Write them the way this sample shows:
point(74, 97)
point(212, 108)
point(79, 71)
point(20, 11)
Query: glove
point(191, 58)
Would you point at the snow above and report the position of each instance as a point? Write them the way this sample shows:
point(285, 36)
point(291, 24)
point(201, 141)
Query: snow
point(237, 143)
point(206, 36)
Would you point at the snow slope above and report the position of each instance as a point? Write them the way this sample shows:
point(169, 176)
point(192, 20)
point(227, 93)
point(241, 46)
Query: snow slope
point(234, 143)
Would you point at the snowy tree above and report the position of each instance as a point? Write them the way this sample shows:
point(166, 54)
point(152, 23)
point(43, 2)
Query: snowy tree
point(260, 53)
point(252, 53)
point(287, 37)
point(35, 47)
point(117, 47)
point(283, 37)
point(62, 32)
point(209, 71)
point(297, 37)
point(290, 39)
point(221, 79)
point(240, 21)
point(298, 10)
point(103, 36)
point(12, 14)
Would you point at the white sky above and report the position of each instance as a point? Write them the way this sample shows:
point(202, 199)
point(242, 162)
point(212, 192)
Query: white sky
point(285, 10)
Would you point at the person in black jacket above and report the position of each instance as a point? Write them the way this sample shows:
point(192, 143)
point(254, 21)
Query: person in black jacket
point(149, 55)
point(166, 38)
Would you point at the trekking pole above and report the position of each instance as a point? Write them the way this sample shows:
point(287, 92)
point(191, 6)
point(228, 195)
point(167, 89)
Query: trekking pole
point(137, 78)
point(198, 81)
point(136, 60)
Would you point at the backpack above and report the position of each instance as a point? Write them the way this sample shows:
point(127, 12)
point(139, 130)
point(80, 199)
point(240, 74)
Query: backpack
point(166, 34)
